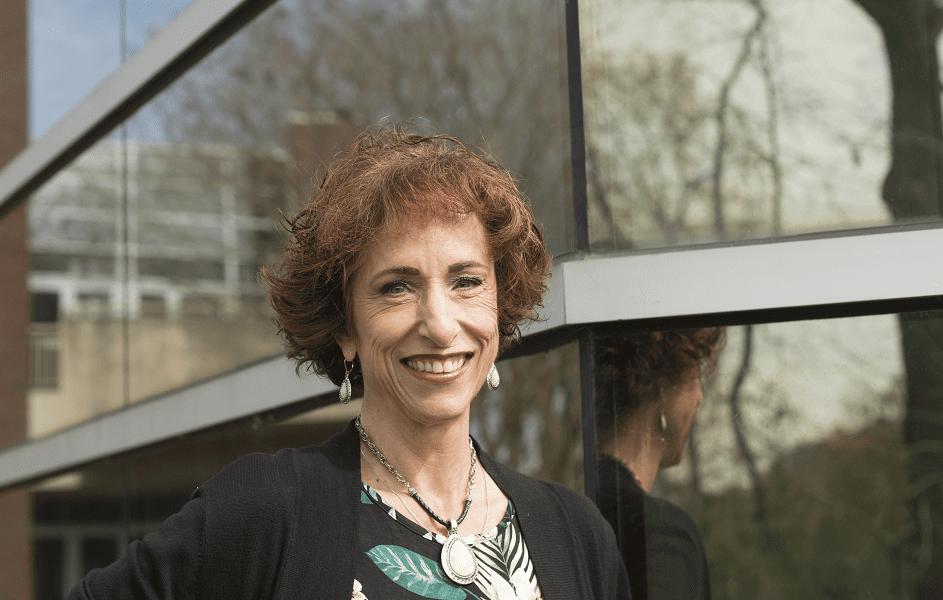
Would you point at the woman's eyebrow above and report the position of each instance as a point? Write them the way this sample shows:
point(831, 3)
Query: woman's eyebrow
point(458, 267)
point(395, 271)
point(412, 271)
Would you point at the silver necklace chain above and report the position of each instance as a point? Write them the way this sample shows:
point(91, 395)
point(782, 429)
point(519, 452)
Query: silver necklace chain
point(450, 527)
point(484, 526)
point(383, 481)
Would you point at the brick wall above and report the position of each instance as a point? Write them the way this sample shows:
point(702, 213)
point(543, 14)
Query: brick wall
point(15, 546)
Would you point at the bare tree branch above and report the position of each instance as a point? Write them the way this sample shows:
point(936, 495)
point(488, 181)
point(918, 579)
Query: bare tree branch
point(736, 419)
point(720, 116)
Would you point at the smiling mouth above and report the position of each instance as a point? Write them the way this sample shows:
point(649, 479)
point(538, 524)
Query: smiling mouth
point(442, 365)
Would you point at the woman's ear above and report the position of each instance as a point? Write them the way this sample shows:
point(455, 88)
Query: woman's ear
point(348, 346)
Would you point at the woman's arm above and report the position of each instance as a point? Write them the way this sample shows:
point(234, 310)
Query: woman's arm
point(166, 564)
point(229, 541)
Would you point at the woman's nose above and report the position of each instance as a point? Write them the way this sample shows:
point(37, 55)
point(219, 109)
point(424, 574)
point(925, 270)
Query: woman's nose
point(437, 321)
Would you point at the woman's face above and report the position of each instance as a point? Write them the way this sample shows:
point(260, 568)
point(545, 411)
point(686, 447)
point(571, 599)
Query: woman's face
point(681, 404)
point(425, 319)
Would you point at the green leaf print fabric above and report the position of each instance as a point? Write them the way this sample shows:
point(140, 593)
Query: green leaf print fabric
point(416, 573)
point(399, 560)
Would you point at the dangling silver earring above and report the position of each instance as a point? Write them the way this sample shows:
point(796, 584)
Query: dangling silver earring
point(662, 422)
point(493, 379)
point(346, 391)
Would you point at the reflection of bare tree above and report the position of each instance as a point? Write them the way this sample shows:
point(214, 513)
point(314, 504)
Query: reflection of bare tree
point(754, 47)
point(645, 151)
point(488, 73)
point(677, 162)
point(736, 419)
point(912, 190)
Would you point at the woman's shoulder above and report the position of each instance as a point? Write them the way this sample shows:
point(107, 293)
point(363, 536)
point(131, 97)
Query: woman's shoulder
point(662, 514)
point(268, 481)
point(545, 498)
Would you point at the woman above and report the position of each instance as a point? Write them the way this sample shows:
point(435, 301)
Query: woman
point(405, 276)
point(648, 391)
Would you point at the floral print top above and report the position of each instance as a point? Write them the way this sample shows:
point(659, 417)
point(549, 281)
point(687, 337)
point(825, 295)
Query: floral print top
point(399, 559)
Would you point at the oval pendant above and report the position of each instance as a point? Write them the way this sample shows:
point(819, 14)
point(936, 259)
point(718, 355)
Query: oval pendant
point(458, 560)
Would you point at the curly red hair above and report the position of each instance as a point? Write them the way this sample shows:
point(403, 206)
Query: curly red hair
point(632, 367)
point(391, 176)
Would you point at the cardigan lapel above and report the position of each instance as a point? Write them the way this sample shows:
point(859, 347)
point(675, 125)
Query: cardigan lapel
point(543, 523)
point(326, 540)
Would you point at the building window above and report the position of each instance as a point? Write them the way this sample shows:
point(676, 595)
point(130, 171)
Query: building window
point(43, 356)
point(43, 341)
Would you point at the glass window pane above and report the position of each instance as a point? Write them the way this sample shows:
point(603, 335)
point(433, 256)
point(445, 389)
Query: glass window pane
point(138, 276)
point(290, 90)
point(531, 423)
point(710, 121)
point(73, 46)
point(813, 468)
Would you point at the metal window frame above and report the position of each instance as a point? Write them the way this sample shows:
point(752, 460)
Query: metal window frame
point(886, 269)
point(246, 392)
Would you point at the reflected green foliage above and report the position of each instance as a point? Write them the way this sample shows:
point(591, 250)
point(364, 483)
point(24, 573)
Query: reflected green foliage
point(836, 513)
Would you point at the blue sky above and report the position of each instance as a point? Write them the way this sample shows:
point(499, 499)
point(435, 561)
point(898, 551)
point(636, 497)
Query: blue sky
point(75, 44)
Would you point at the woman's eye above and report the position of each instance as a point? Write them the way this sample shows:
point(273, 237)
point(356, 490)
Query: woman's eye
point(468, 282)
point(395, 287)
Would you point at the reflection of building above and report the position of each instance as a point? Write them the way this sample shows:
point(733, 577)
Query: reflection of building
point(180, 304)
point(197, 223)
point(159, 244)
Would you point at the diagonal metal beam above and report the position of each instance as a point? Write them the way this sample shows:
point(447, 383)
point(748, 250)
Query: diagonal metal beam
point(192, 35)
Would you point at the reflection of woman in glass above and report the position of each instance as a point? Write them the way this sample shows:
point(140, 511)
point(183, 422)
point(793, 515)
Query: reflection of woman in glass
point(648, 390)
point(404, 276)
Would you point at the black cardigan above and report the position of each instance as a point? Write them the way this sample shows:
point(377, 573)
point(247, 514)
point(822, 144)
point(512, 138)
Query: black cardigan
point(286, 526)
point(661, 545)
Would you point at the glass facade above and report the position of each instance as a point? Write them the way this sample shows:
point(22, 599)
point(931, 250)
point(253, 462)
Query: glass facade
point(74, 45)
point(743, 120)
point(143, 258)
point(801, 470)
point(802, 439)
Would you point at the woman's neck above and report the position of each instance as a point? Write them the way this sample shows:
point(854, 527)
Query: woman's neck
point(434, 459)
point(635, 443)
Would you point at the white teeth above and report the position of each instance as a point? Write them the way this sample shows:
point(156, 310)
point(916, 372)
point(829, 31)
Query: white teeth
point(437, 366)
